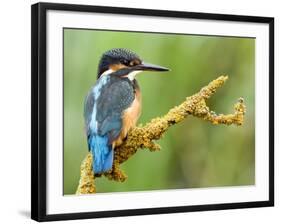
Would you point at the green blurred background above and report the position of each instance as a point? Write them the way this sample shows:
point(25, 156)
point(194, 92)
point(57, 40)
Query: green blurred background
point(194, 153)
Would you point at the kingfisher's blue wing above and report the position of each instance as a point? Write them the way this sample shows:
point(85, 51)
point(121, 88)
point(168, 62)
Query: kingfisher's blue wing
point(88, 109)
point(111, 103)
point(105, 104)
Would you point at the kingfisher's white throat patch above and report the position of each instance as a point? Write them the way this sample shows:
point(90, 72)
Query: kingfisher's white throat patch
point(133, 74)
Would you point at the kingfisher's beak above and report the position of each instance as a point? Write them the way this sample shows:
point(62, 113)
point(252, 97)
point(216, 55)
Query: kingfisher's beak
point(150, 67)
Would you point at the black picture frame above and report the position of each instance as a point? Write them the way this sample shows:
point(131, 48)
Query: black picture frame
point(39, 122)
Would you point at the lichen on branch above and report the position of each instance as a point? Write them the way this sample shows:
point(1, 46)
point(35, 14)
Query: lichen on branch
point(142, 137)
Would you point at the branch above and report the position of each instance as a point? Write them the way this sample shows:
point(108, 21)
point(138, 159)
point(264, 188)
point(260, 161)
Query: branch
point(144, 136)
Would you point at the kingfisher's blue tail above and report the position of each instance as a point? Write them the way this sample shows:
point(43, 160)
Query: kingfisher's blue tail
point(102, 153)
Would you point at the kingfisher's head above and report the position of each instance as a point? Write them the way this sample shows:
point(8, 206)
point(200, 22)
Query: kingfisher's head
point(125, 63)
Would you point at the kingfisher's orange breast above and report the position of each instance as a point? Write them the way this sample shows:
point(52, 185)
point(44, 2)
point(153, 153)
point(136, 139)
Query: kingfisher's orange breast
point(129, 119)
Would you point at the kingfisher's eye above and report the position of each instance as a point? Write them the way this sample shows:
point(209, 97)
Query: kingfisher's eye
point(125, 62)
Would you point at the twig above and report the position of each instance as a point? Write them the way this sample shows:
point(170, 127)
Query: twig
point(143, 136)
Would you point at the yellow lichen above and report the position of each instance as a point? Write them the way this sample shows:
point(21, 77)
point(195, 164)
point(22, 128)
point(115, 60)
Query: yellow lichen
point(144, 136)
point(86, 183)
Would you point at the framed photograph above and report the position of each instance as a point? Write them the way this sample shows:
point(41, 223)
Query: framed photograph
point(140, 111)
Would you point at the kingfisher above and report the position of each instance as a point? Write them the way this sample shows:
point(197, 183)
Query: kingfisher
point(113, 104)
